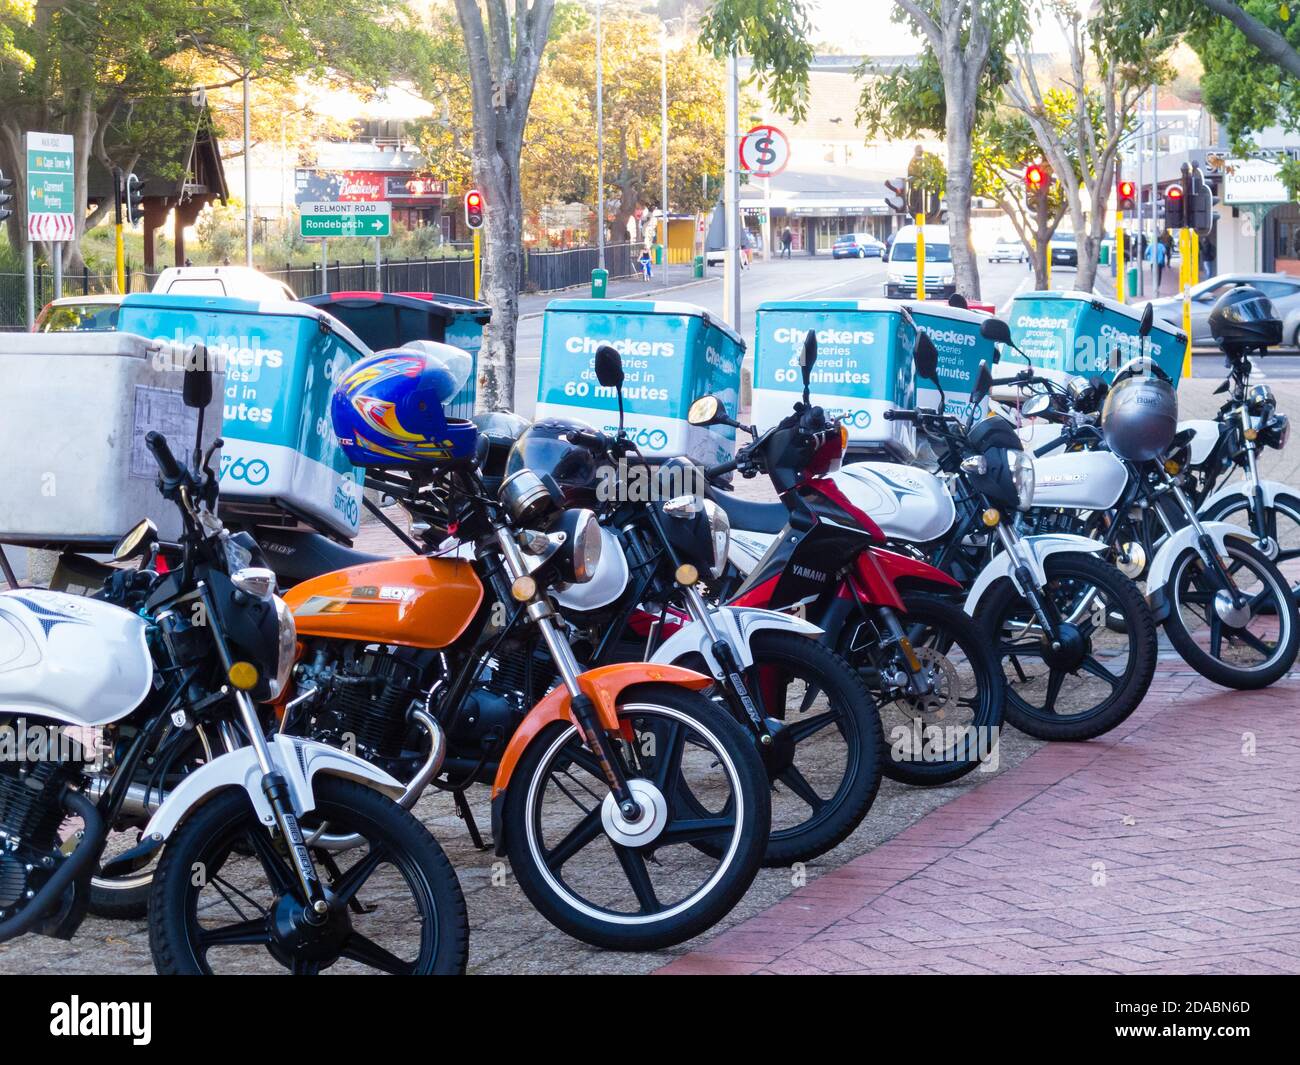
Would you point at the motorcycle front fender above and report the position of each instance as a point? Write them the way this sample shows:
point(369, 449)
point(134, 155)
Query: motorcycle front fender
point(1237, 492)
point(1037, 549)
point(736, 625)
point(298, 760)
point(603, 686)
point(1162, 566)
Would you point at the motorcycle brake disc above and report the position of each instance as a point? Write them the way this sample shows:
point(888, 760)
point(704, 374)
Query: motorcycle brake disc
point(945, 688)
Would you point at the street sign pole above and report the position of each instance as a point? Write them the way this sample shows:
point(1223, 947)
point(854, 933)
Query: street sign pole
point(1186, 246)
point(51, 202)
point(324, 266)
point(1119, 254)
point(379, 267)
point(920, 256)
point(731, 200)
point(29, 268)
point(57, 257)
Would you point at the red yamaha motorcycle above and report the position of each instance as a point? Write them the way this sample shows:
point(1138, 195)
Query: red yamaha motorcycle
point(893, 616)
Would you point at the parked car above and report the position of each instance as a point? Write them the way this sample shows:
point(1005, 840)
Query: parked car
point(715, 256)
point(1008, 250)
point(242, 282)
point(939, 279)
point(1065, 250)
point(1282, 289)
point(857, 246)
point(79, 314)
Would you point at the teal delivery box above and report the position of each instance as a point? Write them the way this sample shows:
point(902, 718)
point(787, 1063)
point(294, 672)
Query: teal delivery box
point(673, 353)
point(280, 360)
point(1077, 334)
point(863, 368)
point(956, 335)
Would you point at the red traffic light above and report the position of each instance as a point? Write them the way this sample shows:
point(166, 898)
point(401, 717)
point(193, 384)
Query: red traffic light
point(1035, 177)
point(474, 209)
point(1126, 189)
point(1174, 192)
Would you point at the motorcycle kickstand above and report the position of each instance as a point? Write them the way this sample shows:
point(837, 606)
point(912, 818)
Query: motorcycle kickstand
point(467, 815)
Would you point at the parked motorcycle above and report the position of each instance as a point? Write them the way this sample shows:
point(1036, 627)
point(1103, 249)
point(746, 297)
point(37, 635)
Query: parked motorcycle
point(1224, 604)
point(206, 643)
point(929, 669)
point(813, 721)
point(633, 809)
point(1043, 599)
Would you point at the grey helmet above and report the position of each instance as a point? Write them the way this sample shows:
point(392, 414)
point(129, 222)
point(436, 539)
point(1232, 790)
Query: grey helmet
point(1140, 417)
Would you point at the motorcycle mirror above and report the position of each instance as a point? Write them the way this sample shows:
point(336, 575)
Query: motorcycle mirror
point(707, 410)
point(809, 360)
point(1148, 319)
point(996, 330)
point(609, 373)
point(137, 543)
point(983, 382)
point(609, 367)
point(196, 390)
point(925, 356)
point(1223, 387)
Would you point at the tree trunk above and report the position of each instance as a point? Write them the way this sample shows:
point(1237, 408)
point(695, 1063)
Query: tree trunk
point(502, 261)
point(965, 264)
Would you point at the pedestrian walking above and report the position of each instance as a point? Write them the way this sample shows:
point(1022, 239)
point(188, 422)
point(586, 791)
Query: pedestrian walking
point(1208, 251)
point(1156, 252)
point(787, 239)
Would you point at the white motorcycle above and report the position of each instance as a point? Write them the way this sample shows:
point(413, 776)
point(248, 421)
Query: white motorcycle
point(1043, 597)
point(201, 645)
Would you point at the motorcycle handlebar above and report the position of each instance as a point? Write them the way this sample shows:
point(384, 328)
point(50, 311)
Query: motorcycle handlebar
point(720, 470)
point(162, 454)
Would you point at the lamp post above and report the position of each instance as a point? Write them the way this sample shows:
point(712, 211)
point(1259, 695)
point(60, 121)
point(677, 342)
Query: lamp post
point(663, 136)
point(600, 141)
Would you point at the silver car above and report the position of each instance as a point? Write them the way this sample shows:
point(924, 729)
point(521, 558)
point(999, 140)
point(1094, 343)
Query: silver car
point(1282, 289)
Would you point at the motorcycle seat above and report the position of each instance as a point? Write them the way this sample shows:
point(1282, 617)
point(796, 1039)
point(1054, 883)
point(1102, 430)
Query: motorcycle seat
point(749, 515)
point(296, 555)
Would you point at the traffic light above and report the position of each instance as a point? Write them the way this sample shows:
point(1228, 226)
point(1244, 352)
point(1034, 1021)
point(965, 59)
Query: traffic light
point(134, 199)
point(1126, 191)
point(474, 209)
point(915, 199)
point(1175, 207)
point(896, 201)
point(1036, 178)
point(1200, 202)
point(6, 197)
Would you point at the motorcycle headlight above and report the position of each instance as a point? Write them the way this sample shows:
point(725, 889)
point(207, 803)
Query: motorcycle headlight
point(1277, 431)
point(719, 535)
point(586, 547)
point(286, 647)
point(1022, 476)
point(1260, 400)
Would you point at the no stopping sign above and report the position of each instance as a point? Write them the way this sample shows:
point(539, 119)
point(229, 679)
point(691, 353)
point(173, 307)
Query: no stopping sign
point(764, 151)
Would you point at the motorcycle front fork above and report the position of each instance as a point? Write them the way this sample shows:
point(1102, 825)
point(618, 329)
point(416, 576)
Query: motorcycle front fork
point(729, 664)
point(1044, 609)
point(1204, 543)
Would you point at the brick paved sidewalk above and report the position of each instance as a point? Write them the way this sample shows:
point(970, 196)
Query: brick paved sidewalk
point(1170, 846)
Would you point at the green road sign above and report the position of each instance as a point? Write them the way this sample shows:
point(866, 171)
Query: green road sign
point(51, 197)
point(353, 219)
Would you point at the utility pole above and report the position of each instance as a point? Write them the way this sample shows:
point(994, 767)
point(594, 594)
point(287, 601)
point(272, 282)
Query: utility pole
point(663, 136)
point(248, 177)
point(600, 141)
point(731, 200)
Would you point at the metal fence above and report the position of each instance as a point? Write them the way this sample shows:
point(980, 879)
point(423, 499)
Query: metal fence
point(542, 271)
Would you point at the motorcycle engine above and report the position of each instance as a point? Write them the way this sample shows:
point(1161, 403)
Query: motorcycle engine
point(365, 703)
point(31, 814)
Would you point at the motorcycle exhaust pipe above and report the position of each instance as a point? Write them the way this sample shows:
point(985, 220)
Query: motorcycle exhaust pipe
point(141, 800)
point(415, 787)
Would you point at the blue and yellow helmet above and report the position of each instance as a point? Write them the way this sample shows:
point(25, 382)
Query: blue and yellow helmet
point(388, 411)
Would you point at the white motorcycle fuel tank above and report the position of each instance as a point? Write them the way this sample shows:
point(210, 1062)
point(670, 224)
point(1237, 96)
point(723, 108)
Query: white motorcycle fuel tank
point(906, 502)
point(75, 660)
point(1082, 480)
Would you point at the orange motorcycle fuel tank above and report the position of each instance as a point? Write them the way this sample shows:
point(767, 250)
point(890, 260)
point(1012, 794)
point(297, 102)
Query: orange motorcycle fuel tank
point(413, 602)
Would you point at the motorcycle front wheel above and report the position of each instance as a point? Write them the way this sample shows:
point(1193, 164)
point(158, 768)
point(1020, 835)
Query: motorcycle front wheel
point(1250, 652)
point(647, 884)
point(1102, 671)
point(225, 897)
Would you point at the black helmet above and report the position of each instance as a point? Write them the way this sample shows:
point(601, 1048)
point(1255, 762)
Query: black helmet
point(1140, 417)
point(545, 448)
point(1243, 318)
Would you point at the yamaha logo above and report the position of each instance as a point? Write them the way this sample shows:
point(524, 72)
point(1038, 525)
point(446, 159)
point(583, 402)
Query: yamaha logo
point(808, 574)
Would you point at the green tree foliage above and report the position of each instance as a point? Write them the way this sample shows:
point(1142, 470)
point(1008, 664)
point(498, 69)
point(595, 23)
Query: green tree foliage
point(776, 35)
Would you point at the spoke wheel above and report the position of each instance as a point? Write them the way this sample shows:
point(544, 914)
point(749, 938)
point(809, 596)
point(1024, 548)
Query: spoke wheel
point(649, 884)
point(1253, 654)
point(1109, 668)
point(225, 898)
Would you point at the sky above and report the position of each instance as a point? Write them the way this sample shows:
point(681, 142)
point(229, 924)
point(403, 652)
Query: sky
point(867, 27)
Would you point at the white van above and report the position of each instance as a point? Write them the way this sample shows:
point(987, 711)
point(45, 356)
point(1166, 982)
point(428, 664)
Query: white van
point(900, 283)
point(242, 282)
